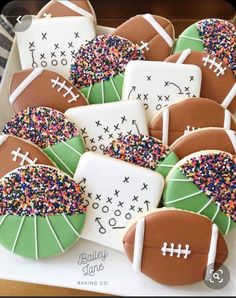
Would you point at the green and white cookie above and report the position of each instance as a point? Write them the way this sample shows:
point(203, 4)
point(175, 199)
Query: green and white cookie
point(204, 182)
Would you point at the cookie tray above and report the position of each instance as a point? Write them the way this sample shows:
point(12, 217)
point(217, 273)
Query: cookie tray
point(88, 266)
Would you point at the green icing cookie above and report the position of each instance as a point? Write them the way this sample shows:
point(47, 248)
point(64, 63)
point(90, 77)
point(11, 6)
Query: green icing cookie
point(194, 184)
point(42, 212)
point(143, 151)
point(106, 91)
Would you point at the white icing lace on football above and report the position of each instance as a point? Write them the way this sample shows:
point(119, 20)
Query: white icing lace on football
point(24, 157)
point(62, 86)
point(190, 129)
point(47, 15)
point(185, 252)
point(144, 45)
point(219, 70)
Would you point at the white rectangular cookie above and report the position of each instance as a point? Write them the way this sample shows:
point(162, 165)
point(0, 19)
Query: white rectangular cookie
point(100, 124)
point(115, 192)
point(51, 42)
point(157, 84)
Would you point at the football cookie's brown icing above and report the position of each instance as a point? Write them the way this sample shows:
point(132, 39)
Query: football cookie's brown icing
point(9, 145)
point(44, 91)
point(177, 227)
point(213, 86)
point(56, 9)
point(204, 139)
point(191, 114)
point(138, 30)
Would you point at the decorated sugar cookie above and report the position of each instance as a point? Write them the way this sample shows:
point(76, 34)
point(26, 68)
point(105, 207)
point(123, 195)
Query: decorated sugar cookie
point(205, 139)
point(16, 152)
point(143, 151)
point(61, 8)
point(189, 115)
point(215, 36)
point(157, 84)
point(174, 247)
point(154, 34)
point(41, 212)
point(98, 66)
point(218, 82)
point(51, 131)
point(204, 182)
point(115, 192)
point(100, 124)
point(51, 42)
point(41, 87)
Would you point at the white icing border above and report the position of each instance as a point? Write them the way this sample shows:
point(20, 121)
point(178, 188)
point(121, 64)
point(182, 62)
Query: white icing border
point(76, 8)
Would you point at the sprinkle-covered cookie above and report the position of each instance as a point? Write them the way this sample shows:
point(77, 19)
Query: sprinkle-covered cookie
point(41, 209)
point(143, 151)
point(205, 182)
point(98, 66)
point(51, 131)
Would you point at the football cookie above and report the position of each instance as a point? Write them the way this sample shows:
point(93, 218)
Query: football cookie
point(51, 131)
point(174, 247)
point(62, 8)
point(143, 151)
point(51, 42)
point(98, 66)
point(157, 84)
point(214, 36)
point(205, 139)
point(115, 191)
point(154, 34)
point(15, 153)
point(218, 82)
point(34, 223)
point(100, 124)
point(204, 182)
point(188, 115)
point(41, 87)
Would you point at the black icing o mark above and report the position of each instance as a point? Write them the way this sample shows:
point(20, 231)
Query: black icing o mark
point(54, 62)
point(64, 62)
point(44, 64)
point(146, 106)
point(105, 209)
point(94, 148)
point(86, 203)
point(102, 147)
point(117, 213)
point(101, 229)
point(128, 216)
point(112, 222)
point(95, 205)
point(158, 107)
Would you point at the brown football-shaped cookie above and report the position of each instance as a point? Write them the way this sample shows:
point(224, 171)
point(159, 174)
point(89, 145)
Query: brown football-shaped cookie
point(154, 34)
point(16, 152)
point(41, 87)
point(205, 139)
point(174, 247)
point(218, 82)
point(62, 8)
point(187, 115)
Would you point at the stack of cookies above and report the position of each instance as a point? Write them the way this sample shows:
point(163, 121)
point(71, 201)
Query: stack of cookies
point(127, 139)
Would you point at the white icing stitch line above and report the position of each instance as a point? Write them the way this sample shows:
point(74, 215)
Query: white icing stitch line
point(172, 250)
point(70, 225)
point(24, 157)
point(72, 148)
point(114, 87)
point(18, 234)
point(61, 161)
point(151, 20)
point(205, 206)
point(54, 234)
point(36, 238)
point(228, 225)
point(191, 38)
point(219, 70)
point(25, 83)
point(227, 101)
point(62, 86)
point(76, 8)
point(3, 219)
point(184, 198)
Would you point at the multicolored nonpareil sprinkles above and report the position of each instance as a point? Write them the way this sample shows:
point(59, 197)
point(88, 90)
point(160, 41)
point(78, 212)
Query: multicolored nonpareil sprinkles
point(219, 38)
point(42, 126)
point(40, 190)
point(102, 58)
point(140, 150)
point(215, 175)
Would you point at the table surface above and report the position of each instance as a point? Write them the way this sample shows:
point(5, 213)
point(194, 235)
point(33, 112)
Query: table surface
point(112, 13)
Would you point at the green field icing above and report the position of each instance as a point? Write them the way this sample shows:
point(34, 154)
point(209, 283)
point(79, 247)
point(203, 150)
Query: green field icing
point(108, 91)
point(167, 164)
point(66, 155)
point(183, 43)
point(46, 243)
point(176, 190)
